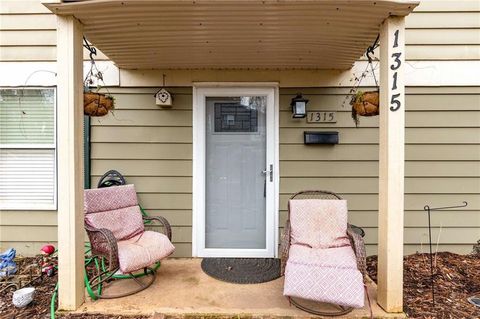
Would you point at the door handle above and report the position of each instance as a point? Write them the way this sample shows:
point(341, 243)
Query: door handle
point(270, 172)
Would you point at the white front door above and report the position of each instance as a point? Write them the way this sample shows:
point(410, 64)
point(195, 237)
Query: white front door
point(234, 172)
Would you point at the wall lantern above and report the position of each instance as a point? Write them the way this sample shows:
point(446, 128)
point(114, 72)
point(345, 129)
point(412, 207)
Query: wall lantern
point(299, 106)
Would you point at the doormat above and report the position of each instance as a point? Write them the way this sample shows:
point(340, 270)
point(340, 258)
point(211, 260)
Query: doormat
point(242, 270)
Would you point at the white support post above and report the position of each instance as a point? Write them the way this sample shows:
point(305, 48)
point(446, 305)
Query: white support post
point(71, 236)
point(391, 165)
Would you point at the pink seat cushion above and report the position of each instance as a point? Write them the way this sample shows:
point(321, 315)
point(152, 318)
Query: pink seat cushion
point(116, 209)
point(324, 275)
point(143, 250)
point(319, 223)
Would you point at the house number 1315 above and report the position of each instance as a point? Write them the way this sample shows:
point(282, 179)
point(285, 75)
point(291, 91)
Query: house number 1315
point(395, 104)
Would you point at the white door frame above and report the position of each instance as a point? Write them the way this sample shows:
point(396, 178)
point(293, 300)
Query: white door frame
point(200, 92)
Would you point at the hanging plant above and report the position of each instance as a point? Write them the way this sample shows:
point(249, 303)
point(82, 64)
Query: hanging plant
point(95, 103)
point(365, 103)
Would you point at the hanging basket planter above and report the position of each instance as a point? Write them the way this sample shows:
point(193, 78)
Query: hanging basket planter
point(97, 104)
point(366, 103)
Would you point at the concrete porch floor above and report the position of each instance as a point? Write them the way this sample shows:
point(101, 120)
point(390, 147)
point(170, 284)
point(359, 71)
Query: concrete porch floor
point(182, 289)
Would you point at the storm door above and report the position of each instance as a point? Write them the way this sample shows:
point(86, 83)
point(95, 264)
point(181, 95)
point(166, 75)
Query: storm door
point(238, 173)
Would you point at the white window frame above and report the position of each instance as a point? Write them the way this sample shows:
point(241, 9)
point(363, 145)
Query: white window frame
point(37, 206)
point(200, 91)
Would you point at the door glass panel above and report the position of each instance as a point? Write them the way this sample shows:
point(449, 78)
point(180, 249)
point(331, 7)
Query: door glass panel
point(235, 184)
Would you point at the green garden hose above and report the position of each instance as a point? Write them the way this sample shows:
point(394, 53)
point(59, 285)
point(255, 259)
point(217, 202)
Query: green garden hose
point(52, 302)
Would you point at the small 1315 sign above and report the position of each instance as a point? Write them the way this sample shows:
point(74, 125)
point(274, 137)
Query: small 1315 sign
point(321, 117)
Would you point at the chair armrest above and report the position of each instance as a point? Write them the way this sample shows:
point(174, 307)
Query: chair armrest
point(358, 246)
point(167, 229)
point(284, 247)
point(104, 243)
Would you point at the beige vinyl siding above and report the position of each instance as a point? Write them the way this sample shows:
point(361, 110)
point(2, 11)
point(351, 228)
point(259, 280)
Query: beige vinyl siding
point(444, 30)
point(442, 163)
point(28, 32)
point(152, 147)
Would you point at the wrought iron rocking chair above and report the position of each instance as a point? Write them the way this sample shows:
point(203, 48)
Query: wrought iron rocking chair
point(306, 276)
point(119, 242)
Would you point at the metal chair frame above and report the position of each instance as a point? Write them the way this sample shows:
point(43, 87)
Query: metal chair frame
point(104, 248)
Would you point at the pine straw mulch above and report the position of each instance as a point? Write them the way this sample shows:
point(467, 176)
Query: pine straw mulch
point(40, 306)
point(99, 316)
point(457, 277)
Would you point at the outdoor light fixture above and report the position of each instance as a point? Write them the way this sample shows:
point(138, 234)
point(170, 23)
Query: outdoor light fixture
point(299, 106)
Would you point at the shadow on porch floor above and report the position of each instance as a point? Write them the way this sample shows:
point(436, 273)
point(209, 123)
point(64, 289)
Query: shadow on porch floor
point(182, 289)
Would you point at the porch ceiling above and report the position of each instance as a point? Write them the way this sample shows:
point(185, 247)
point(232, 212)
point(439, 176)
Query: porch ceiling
point(268, 34)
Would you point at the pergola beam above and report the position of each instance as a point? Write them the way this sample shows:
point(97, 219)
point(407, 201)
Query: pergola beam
point(391, 165)
point(70, 162)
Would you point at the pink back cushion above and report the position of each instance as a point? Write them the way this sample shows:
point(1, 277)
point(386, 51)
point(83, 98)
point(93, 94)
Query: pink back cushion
point(116, 209)
point(319, 223)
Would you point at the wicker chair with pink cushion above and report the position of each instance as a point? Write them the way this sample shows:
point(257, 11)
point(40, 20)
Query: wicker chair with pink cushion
point(323, 259)
point(115, 227)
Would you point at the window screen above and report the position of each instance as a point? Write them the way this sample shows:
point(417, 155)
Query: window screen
point(27, 148)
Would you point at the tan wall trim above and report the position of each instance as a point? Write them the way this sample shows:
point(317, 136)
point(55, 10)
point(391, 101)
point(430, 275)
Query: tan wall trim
point(417, 73)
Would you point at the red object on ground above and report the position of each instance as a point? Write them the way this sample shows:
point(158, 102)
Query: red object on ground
point(48, 249)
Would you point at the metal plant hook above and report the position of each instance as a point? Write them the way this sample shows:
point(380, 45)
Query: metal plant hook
point(369, 53)
point(94, 72)
point(428, 209)
point(91, 49)
point(371, 49)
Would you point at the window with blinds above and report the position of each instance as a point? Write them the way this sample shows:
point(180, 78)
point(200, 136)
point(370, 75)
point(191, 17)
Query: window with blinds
point(27, 148)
